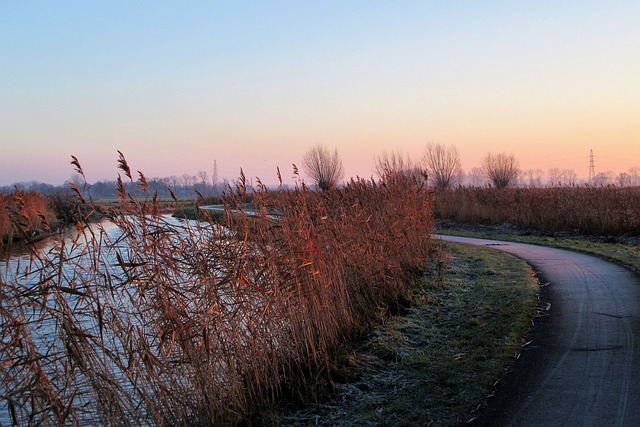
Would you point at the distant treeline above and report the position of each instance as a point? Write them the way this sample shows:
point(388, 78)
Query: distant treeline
point(44, 207)
point(185, 186)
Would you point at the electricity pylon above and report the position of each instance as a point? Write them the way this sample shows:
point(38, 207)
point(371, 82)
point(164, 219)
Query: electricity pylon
point(592, 168)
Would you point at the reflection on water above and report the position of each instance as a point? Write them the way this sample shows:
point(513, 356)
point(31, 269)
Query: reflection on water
point(14, 254)
point(68, 311)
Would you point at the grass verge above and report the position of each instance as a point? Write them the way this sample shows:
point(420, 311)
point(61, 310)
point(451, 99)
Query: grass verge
point(436, 363)
point(627, 254)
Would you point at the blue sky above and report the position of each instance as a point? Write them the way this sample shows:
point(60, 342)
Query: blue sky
point(175, 86)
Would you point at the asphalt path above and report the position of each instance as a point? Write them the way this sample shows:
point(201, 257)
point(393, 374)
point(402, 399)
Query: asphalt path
point(582, 366)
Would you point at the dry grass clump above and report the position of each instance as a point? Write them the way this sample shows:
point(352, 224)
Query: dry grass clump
point(588, 210)
point(194, 323)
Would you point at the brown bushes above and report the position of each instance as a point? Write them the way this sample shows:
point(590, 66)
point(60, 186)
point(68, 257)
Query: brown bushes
point(193, 323)
point(23, 214)
point(589, 210)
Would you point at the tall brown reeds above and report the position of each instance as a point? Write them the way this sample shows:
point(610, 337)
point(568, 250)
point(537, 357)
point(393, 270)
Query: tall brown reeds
point(197, 323)
point(24, 215)
point(588, 210)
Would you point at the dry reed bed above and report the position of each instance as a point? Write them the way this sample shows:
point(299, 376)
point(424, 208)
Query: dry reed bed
point(201, 324)
point(30, 208)
point(589, 210)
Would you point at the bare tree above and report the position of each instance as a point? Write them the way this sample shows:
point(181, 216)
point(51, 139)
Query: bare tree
point(200, 182)
point(173, 182)
point(603, 178)
point(324, 168)
point(623, 179)
point(461, 179)
point(534, 176)
point(203, 177)
point(569, 177)
point(634, 174)
point(555, 175)
point(502, 169)
point(477, 177)
point(442, 164)
point(395, 163)
point(187, 182)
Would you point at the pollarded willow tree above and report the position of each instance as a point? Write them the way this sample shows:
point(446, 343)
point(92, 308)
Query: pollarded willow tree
point(502, 169)
point(389, 165)
point(323, 167)
point(442, 164)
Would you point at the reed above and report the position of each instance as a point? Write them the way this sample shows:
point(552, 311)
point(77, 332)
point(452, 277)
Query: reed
point(589, 210)
point(198, 323)
point(24, 215)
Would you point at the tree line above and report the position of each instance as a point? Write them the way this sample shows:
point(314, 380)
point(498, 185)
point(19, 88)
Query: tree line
point(440, 167)
point(184, 186)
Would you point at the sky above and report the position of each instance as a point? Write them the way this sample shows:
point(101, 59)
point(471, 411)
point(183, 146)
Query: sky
point(177, 86)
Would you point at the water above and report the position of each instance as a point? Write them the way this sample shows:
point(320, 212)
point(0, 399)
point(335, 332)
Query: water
point(130, 320)
point(69, 316)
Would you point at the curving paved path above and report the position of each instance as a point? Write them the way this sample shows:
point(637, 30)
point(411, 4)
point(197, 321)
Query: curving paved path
point(582, 367)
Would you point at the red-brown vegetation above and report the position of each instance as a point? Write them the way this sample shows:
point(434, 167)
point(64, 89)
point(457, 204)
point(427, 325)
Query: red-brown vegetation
point(588, 210)
point(203, 324)
point(23, 214)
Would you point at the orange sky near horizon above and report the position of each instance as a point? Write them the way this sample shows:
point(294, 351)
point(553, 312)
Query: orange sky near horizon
point(253, 85)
